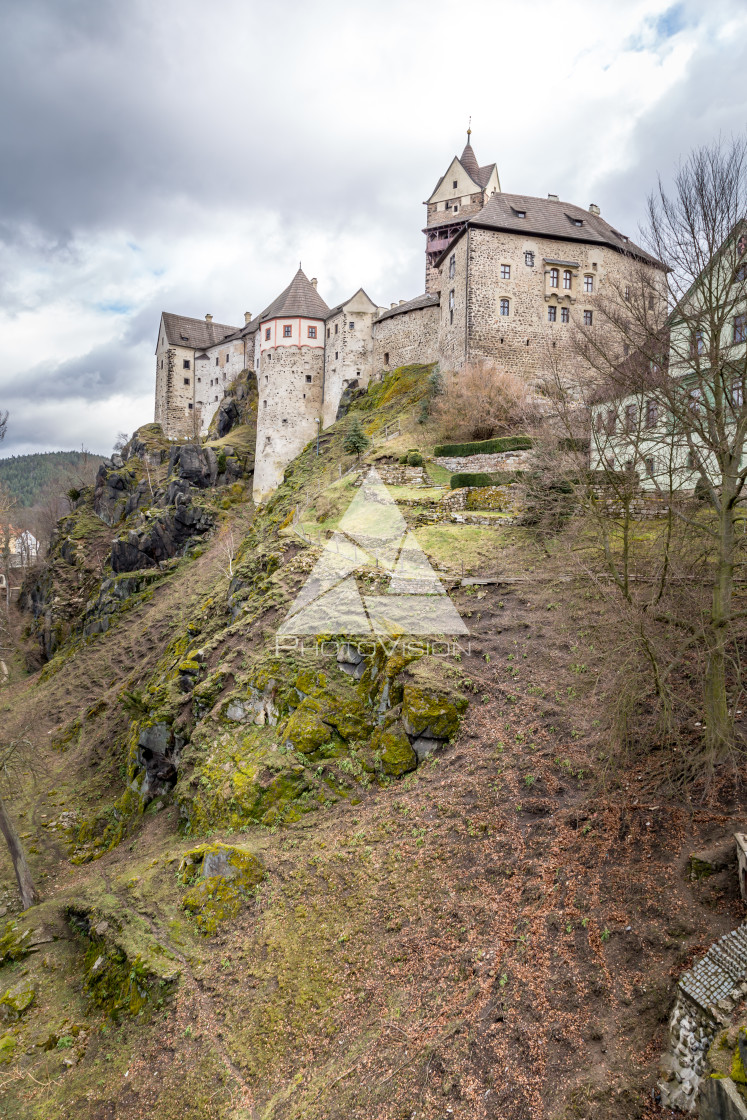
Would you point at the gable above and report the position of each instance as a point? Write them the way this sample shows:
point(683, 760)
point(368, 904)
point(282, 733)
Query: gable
point(359, 303)
point(445, 188)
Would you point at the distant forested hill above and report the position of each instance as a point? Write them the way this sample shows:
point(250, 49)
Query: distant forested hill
point(26, 476)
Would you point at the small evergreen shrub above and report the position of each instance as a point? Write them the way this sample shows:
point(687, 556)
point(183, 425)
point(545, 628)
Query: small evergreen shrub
point(485, 446)
point(414, 459)
point(222, 462)
point(466, 479)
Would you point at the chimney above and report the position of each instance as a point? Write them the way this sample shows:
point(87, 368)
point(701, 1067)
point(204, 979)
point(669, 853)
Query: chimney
point(314, 282)
point(247, 316)
point(553, 198)
point(402, 301)
point(208, 318)
point(391, 305)
point(594, 209)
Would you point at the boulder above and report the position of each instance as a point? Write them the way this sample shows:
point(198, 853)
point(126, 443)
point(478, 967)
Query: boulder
point(393, 747)
point(16, 1000)
point(720, 1100)
point(158, 754)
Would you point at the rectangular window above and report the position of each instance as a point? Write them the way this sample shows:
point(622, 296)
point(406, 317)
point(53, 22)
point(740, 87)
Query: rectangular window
point(650, 465)
point(588, 283)
point(631, 415)
point(287, 330)
point(186, 364)
point(454, 185)
point(529, 259)
point(504, 307)
point(565, 315)
point(452, 266)
point(740, 328)
point(552, 314)
point(308, 378)
point(505, 272)
point(336, 355)
point(696, 400)
point(627, 293)
point(312, 332)
point(737, 394)
point(264, 404)
point(327, 332)
point(697, 345)
point(267, 334)
point(386, 359)
point(652, 414)
point(216, 361)
point(186, 381)
point(189, 405)
point(567, 279)
point(337, 327)
point(554, 277)
point(451, 306)
point(351, 326)
point(588, 318)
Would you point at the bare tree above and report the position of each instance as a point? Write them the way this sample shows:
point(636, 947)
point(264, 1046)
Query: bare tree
point(669, 349)
point(480, 401)
point(15, 759)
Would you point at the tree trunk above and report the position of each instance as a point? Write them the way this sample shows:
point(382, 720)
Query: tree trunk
point(26, 886)
point(719, 725)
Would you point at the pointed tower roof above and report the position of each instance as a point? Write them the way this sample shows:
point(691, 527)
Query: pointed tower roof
point(468, 159)
point(299, 298)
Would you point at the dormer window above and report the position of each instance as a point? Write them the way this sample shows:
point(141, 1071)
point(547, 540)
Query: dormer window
point(577, 221)
point(520, 213)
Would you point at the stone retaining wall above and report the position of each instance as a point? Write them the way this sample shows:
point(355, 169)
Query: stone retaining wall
point(396, 474)
point(500, 461)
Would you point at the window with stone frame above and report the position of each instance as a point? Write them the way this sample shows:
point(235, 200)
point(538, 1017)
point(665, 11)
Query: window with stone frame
point(505, 272)
point(529, 258)
point(588, 283)
point(308, 378)
point(216, 361)
point(652, 413)
point(567, 279)
point(186, 381)
point(351, 326)
point(565, 315)
point(588, 318)
point(554, 277)
point(505, 307)
point(552, 314)
point(452, 266)
point(627, 292)
point(186, 363)
point(451, 306)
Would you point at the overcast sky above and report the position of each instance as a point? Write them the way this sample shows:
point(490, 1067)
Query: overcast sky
point(184, 155)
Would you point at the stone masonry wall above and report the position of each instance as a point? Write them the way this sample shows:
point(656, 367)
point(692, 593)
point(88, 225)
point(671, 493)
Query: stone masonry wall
point(348, 357)
point(290, 400)
point(223, 365)
point(175, 405)
point(405, 339)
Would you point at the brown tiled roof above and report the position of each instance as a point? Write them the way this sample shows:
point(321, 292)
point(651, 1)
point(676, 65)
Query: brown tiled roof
point(468, 160)
point(545, 217)
point(430, 299)
point(198, 334)
point(299, 298)
point(484, 173)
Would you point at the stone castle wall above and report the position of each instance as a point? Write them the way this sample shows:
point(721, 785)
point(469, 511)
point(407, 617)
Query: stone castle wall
point(223, 365)
point(348, 357)
point(290, 400)
point(405, 339)
point(175, 403)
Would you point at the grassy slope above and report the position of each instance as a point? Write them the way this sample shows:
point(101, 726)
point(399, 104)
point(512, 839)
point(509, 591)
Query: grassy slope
point(458, 940)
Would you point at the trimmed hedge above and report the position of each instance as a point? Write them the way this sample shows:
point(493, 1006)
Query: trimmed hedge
point(485, 447)
point(476, 479)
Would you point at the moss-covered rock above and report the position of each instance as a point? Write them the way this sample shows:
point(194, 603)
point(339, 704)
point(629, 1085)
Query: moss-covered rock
point(13, 943)
point(431, 704)
point(223, 877)
point(17, 999)
point(7, 1048)
point(306, 731)
point(392, 747)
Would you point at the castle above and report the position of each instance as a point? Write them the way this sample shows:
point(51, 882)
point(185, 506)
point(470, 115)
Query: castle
point(506, 276)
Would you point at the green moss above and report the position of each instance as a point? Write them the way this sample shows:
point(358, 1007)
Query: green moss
point(7, 1048)
point(305, 731)
point(738, 1072)
point(223, 878)
point(392, 747)
point(13, 943)
point(15, 1001)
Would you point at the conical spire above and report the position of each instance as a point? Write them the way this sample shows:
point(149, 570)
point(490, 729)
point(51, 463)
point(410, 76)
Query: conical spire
point(468, 159)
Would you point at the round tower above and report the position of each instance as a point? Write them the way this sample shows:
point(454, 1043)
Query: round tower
point(290, 379)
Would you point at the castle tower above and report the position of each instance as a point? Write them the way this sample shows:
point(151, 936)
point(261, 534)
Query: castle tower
point(289, 363)
point(460, 193)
